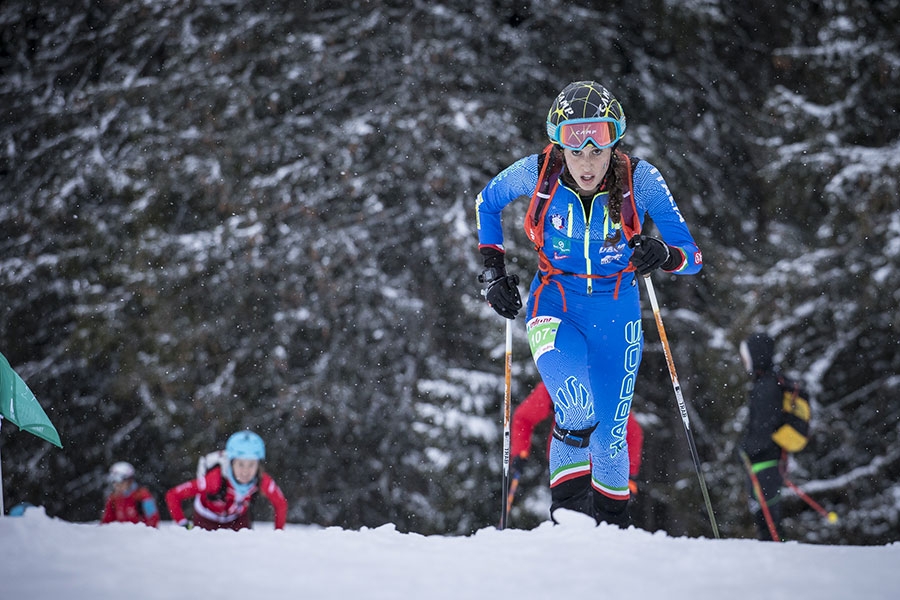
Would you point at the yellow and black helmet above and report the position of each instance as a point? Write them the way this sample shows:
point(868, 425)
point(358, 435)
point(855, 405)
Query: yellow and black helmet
point(585, 112)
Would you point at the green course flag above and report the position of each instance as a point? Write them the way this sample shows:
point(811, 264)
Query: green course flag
point(19, 405)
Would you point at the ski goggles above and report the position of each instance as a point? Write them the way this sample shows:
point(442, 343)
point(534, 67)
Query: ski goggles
point(575, 134)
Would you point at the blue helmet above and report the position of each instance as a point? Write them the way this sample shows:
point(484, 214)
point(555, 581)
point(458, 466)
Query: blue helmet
point(245, 444)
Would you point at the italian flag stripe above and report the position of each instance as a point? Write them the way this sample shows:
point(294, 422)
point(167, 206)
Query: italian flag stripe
point(611, 492)
point(566, 472)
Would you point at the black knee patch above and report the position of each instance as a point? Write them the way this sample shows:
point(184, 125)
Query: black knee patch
point(574, 494)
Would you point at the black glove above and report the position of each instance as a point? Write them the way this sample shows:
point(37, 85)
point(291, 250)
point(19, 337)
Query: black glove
point(501, 292)
point(515, 468)
point(650, 254)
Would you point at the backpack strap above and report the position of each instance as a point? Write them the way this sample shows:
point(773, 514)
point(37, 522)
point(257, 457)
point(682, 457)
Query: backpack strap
point(207, 463)
point(222, 492)
point(631, 224)
point(551, 165)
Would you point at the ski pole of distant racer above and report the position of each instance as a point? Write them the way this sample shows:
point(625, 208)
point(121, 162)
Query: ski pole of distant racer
point(507, 401)
point(757, 489)
point(830, 516)
point(511, 495)
point(682, 407)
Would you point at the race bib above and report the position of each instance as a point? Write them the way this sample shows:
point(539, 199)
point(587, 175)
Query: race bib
point(542, 335)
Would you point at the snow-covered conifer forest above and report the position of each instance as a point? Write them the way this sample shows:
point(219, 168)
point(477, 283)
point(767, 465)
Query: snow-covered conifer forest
point(227, 214)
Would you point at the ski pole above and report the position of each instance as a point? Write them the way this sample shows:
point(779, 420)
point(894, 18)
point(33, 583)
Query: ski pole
point(831, 516)
point(680, 398)
point(757, 489)
point(513, 486)
point(507, 401)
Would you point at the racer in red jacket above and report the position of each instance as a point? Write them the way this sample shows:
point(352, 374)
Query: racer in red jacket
point(223, 493)
point(538, 407)
point(128, 502)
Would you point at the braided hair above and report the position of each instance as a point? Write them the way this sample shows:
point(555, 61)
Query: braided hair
point(616, 183)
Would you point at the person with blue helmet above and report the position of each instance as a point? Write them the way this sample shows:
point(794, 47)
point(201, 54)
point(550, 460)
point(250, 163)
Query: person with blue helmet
point(227, 480)
point(583, 315)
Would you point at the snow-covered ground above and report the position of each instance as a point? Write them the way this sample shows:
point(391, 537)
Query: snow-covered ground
point(46, 558)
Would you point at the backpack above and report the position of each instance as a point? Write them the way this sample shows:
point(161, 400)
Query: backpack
point(217, 460)
point(793, 433)
point(207, 463)
point(550, 165)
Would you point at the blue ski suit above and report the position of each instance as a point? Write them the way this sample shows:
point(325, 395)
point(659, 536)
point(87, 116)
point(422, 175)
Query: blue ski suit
point(584, 319)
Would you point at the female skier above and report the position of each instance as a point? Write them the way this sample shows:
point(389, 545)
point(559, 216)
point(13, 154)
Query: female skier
point(225, 484)
point(583, 316)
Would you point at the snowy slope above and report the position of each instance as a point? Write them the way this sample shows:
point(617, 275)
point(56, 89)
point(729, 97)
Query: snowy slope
point(46, 558)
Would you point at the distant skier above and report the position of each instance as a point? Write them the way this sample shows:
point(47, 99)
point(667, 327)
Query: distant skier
point(226, 483)
point(128, 502)
point(765, 456)
point(583, 314)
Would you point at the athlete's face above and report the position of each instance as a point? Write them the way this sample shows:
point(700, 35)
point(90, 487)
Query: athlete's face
point(244, 469)
point(588, 166)
point(121, 487)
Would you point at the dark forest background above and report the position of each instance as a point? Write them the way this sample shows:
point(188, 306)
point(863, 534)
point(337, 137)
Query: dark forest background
point(218, 215)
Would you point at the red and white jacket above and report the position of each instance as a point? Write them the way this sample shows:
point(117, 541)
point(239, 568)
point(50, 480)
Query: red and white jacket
point(135, 506)
point(216, 499)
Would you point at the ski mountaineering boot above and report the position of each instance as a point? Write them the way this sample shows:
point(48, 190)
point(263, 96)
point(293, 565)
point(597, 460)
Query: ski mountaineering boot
point(571, 495)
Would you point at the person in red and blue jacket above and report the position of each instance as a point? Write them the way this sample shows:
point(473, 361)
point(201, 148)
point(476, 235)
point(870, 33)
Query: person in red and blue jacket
point(128, 502)
point(583, 316)
point(223, 493)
